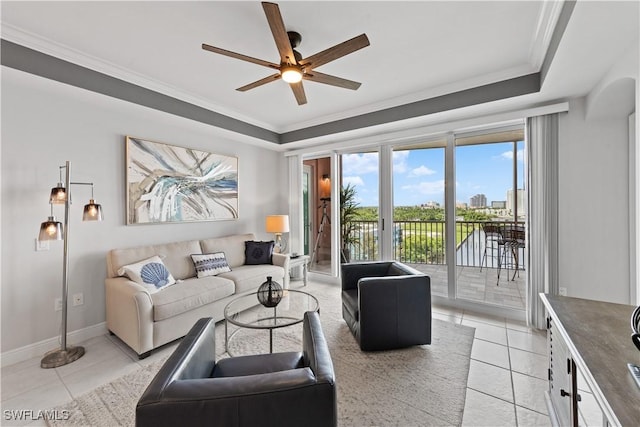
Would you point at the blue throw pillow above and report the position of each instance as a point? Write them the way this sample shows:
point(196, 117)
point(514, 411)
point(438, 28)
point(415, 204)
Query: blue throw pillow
point(256, 252)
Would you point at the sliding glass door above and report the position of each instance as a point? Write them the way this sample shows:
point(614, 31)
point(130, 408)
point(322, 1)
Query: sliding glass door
point(317, 213)
point(452, 206)
point(360, 225)
point(307, 208)
point(419, 232)
point(490, 218)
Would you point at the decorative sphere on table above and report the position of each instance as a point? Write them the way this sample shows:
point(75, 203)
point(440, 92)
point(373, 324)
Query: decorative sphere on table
point(270, 293)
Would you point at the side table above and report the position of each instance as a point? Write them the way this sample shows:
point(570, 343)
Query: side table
point(300, 261)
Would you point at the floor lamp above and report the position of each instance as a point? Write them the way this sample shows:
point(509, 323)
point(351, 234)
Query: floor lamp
point(54, 230)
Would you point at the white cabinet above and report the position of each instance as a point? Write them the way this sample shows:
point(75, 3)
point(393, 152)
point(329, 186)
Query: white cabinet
point(570, 397)
point(560, 378)
point(589, 411)
point(589, 347)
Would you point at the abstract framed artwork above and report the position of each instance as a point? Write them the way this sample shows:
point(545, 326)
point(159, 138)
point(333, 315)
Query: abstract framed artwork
point(168, 184)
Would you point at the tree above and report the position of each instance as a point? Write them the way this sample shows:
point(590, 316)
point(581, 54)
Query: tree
point(348, 216)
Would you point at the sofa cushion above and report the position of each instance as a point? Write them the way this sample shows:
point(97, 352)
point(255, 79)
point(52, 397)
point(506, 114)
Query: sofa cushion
point(189, 294)
point(256, 253)
point(150, 273)
point(232, 246)
point(249, 277)
point(176, 257)
point(210, 264)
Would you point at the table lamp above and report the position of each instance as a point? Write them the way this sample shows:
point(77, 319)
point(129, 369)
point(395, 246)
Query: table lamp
point(278, 224)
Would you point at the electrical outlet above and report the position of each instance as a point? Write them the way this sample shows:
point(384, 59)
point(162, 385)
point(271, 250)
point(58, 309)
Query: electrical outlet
point(563, 291)
point(78, 299)
point(42, 245)
point(57, 304)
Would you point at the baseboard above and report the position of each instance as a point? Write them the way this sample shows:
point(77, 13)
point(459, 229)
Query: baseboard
point(40, 348)
point(324, 278)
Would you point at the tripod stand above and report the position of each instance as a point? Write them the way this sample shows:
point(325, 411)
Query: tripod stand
point(325, 220)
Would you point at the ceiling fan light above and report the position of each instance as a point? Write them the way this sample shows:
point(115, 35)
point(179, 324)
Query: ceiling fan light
point(291, 74)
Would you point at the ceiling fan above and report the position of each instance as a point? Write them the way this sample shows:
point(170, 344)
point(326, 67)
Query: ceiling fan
point(293, 68)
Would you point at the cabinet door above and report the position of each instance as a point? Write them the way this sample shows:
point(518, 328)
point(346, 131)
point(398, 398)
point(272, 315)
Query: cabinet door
point(560, 381)
point(590, 414)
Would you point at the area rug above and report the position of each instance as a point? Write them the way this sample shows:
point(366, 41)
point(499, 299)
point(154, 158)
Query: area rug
point(418, 386)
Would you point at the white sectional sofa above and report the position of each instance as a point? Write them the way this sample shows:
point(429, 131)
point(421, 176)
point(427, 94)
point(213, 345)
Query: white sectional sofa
point(145, 320)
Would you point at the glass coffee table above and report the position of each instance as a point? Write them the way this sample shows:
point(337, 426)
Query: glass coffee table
point(247, 312)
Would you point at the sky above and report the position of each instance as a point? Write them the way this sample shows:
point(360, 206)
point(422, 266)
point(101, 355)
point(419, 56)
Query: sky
point(418, 175)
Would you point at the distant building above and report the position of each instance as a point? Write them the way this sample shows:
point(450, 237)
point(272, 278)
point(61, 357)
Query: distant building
point(462, 205)
point(518, 201)
point(498, 204)
point(432, 204)
point(478, 201)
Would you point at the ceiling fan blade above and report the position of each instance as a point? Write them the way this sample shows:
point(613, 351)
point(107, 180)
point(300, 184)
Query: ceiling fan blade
point(269, 79)
point(239, 56)
point(327, 79)
point(272, 11)
point(298, 91)
point(337, 51)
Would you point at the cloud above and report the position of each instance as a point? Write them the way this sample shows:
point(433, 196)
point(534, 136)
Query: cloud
point(400, 161)
point(427, 187)
point(509, 155)
point(360, 163)
point(353, 180)
point(421, 170)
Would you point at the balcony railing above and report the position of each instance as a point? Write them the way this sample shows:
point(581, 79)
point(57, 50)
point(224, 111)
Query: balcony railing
point(424, 242)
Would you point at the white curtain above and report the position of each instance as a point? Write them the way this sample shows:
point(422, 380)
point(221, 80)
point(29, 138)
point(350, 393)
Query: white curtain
point(295, 205)
point(542, 146)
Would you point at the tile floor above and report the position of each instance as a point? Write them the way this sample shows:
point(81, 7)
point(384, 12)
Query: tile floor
point(506, 384)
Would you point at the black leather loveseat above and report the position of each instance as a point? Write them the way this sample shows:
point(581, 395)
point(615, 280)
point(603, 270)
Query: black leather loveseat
point(387, 305)
point(280, 389)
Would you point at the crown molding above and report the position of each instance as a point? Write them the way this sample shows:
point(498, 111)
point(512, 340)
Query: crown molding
point(61, 51)
point(545, 27)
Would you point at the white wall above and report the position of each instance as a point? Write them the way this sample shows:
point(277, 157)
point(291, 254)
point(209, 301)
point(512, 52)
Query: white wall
point(45, 123)
point(594, 205)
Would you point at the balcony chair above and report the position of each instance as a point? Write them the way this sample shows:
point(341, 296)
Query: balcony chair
point(279, 389)
point(513, 239)
point(386, 305)
point(492, 238)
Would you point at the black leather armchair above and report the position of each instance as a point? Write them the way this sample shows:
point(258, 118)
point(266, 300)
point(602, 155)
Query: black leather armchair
point(279, 389)
point(387, 305)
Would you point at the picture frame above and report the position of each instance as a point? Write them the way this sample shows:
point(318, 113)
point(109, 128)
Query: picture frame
point(171, 184)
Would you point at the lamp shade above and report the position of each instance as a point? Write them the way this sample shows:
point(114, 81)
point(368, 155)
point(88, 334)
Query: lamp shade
point(277, 224)
point(58, 194)
point(325, 187)
point(92, 211)
point(50, 230)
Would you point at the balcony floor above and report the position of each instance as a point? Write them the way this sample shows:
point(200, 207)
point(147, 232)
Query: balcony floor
point(473, 284)
point(479, 286)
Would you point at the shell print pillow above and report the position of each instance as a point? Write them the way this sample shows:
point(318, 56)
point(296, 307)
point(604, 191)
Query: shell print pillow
point(150, 273)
